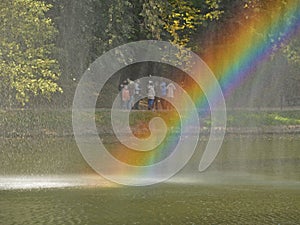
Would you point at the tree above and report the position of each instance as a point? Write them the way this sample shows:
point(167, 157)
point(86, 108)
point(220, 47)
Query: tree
point(176, 20)
point(27, 66)
point(261, 27)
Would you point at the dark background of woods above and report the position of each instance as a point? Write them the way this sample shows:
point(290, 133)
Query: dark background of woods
point(89, 28)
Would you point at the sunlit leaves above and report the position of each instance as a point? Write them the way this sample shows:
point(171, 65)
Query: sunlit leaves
point(182, 18)
point(26, 46)
point(119, 27)
point(292, 52)
point(152, 13)
point(281, 14)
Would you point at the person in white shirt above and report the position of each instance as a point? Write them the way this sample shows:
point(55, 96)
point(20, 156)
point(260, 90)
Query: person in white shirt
point(170, 93)
point(151, 95)
point(137, 94)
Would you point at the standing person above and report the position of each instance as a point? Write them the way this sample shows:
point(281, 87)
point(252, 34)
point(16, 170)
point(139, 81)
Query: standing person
point(163, 94)
point(131, 88)
point(151, 95)
point(137, 93)
point(125, 97)
point(120, 88)
point(156, 98)
point(170, 93)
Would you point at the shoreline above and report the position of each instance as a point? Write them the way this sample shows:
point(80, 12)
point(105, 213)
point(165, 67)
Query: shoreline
point(58, 123)
point(263, 130)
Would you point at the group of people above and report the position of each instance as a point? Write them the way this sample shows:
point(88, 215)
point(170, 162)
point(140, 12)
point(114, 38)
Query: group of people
point(156, 92)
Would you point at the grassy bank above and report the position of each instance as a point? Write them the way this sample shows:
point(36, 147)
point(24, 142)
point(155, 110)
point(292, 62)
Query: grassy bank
point(19, 123)
point(263, 118)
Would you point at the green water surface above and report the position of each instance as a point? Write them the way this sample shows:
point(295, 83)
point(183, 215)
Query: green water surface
point(254, 180)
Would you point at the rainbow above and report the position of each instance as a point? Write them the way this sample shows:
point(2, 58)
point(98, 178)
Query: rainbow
point(235, 60)
point(232, 61)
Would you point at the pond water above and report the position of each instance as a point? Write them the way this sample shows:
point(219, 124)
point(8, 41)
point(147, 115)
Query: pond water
point(254, 180)
point(158, 204)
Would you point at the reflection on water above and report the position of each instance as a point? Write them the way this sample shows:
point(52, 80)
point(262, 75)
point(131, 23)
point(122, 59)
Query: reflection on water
point(96, 181)
point(37, 182)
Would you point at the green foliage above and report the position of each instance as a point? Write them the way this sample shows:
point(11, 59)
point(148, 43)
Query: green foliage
point(284, 9)
point(27, 67)
point(88, 28)
point(22, 123)
point(153, 23)
point(177, 19)
point(119, 24)
point(292, 51)
point(184, 18)
point(259, 119)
